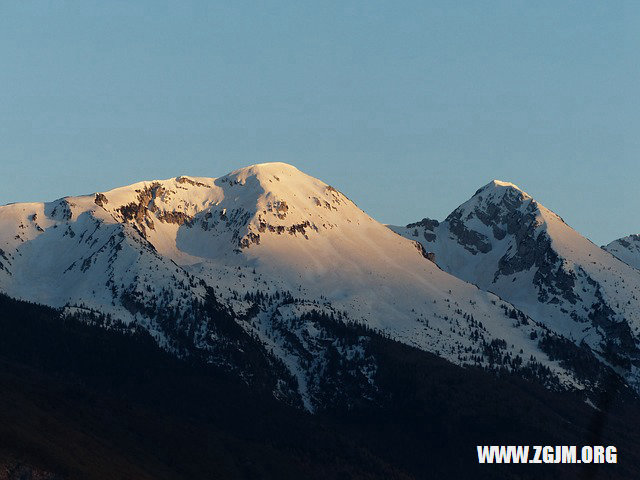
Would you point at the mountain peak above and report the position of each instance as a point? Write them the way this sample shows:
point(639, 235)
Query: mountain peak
point(266, 169)
point(501, 186)
point(269, 166)
point(496, 198)
point(504, 241)
point(502, 183)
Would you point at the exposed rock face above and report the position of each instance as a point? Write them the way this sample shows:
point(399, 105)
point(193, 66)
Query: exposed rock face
point(428, 255)
point(191, 182)
point(59, 210)
point(101, 200)
point(178, 218)
point(471, 240)
point(426, 223)
point(150, 205)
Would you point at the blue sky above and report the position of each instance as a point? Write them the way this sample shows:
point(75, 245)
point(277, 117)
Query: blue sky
point(407, 107)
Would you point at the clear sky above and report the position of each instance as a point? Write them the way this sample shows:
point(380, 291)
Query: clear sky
point(407, 107)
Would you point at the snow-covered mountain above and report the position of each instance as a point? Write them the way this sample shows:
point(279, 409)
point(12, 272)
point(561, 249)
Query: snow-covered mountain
point(504, 241)
point(260, 266)
point(626, 249)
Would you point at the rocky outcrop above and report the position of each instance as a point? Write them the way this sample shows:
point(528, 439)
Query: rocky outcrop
point(101, 200)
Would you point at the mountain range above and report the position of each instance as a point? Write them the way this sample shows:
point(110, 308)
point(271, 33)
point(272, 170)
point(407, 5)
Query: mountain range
point(281, 281)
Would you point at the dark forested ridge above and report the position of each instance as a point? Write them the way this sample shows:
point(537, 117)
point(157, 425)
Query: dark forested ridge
point(83, 402)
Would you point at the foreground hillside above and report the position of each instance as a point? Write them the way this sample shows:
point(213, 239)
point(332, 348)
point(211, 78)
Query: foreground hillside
point(81, 401)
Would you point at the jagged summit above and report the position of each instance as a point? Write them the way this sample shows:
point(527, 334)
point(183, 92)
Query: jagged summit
point(504, 241)
point(496, 184)
point(502, 183)
point(496, 192)
point(495, 210)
